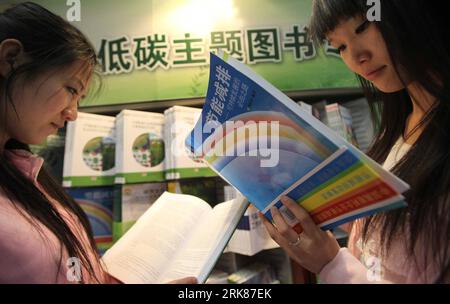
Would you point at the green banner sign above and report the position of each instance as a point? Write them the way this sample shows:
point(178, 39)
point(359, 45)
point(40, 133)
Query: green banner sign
point(159, 49)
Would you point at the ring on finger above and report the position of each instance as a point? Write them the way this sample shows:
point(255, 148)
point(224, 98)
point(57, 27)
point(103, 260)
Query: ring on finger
point(296, 242)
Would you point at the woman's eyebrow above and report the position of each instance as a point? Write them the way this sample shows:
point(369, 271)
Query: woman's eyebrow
point(80, 82)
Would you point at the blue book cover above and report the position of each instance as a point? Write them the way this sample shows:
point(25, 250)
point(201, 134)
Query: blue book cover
point(265, 145)
point(97, 203)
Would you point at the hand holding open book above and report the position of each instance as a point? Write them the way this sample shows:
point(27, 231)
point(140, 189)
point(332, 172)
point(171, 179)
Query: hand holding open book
point(178, 237)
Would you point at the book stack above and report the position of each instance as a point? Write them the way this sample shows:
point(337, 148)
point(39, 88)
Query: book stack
point(140, 159)
point(89, 155)
point(88, 171)
point(339, 119)
point(140, 147)
point(266, 146)
point(178, 123)
point(362, 124)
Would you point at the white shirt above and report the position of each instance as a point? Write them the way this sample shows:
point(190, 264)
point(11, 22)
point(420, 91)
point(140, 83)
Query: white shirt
point(399, 150)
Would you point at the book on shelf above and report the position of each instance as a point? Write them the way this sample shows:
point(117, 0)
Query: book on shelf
point(89, 154)
point(266, 146)
point(250, 237)
point(339, 119)
point(179, 236)
point(179, 121)
point(362, 122)
point(97, 203)
point(139, 147)
point(130, 203)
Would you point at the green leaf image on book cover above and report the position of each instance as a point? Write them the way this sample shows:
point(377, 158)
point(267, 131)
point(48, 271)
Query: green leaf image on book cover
point(99, 153)
point(148, 150)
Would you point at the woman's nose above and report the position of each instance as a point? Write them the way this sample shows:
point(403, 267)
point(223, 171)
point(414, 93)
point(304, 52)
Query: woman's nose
point(360, 55)
point(70, 113)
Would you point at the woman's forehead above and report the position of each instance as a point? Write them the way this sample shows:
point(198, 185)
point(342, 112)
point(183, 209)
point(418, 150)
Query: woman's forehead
point(79, 69)
point(344, 26)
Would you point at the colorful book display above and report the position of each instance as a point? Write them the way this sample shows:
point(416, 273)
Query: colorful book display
point(266, 146)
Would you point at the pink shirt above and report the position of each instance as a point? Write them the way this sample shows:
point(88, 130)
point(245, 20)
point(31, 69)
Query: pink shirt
point(32, 256)
point(363, 262)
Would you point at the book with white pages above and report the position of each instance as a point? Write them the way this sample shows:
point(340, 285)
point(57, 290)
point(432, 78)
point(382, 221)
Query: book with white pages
point(179, 236)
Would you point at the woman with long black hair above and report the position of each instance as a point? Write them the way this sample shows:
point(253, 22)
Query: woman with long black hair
point(46, 67)
point(403, 64)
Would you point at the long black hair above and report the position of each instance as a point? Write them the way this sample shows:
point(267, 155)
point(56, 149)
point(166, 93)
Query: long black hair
point(417, 36)
point(51, 43)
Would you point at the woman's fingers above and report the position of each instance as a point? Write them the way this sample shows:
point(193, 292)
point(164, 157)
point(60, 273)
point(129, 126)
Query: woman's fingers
point(313, 248)
point(307, 223)
point(273, 232)
point(271, 229)
point(283, 228)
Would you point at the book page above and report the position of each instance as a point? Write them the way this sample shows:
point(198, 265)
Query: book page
point(207, 242)
point(148, 248)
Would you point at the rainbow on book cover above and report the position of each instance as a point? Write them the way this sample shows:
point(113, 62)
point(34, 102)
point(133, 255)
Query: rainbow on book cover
point(339, 190)
point(97, 203)
point(266, 146)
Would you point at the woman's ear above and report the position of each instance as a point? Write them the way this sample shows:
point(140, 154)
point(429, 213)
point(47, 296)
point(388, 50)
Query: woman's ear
point(11, 51)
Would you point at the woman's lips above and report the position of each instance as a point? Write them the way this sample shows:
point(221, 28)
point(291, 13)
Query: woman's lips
point(374, 74)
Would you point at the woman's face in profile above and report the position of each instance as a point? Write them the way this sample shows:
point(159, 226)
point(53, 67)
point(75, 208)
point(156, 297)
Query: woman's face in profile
point(44, 104)
point(364, 51)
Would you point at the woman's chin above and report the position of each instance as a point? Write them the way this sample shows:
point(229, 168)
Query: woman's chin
point(389, 88)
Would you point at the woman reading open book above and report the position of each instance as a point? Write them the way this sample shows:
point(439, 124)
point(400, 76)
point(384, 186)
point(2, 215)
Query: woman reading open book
point(46, 66)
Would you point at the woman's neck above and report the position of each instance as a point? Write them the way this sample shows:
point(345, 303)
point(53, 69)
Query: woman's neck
point(422, 102)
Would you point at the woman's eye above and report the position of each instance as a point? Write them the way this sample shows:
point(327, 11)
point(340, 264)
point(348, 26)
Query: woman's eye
point(72, 91)
point(341, 48)
point(362, 27)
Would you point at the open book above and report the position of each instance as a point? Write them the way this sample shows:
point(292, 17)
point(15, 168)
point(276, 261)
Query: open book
point(267, 146)
point(179, 236)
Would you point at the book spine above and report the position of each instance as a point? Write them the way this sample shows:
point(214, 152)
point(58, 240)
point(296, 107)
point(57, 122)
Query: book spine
point(120, 141)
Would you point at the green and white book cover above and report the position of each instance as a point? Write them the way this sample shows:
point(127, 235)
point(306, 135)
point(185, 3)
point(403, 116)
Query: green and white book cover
point(89, 155)
point(140, 147)
point(179, 122)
